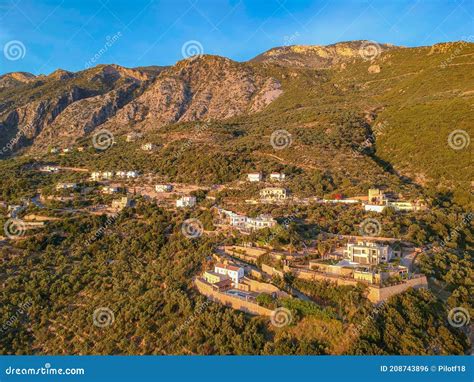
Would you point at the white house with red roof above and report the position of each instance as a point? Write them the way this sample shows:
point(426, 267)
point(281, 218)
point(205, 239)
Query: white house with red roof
point(234, 272)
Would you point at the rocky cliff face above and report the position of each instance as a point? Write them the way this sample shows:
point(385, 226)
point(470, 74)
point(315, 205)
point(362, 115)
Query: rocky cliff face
point(202, 88)
point(58, 109)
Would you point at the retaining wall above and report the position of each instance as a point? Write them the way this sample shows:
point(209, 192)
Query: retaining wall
point(230, 301)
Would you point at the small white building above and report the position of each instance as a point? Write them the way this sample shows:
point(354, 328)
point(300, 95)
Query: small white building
point(67, 150)
point(148, 147)
point(277, 177)
point(110, 190)
point(96, 175)
point(54, 150)
point(163, 188)
point(108, 175)
point(66, 186)
point(121, 174)
point(234, 272)
point(374, 207)
point(254, 177)
point(51, 169)
point(186, 201)
point(132, 174)
point(133, 136)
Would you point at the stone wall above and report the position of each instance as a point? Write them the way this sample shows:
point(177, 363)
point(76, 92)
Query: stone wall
point(271, 270)
point(230, 301)
point(375, 294)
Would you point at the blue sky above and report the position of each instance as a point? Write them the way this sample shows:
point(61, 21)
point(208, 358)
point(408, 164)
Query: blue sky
point(74, 34)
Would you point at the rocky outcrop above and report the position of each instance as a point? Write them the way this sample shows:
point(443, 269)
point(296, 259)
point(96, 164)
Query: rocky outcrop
point(319, 57)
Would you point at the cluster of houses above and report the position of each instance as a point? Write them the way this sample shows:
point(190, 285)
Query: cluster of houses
point(246, 223)
point(108, 175)
point(258, 177)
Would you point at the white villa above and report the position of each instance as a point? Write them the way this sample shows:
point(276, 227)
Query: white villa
point(254, 177)
point(277, 176)
point(262, 221)
point(234, 272)
point(244, 222)
point(163, 188)
point(186, 201)
point(369, 253)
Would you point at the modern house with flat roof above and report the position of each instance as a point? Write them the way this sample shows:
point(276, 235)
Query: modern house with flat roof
point(254, 177)
point(368, 253)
